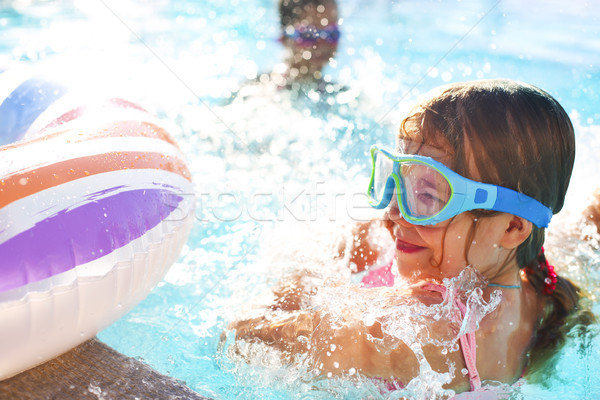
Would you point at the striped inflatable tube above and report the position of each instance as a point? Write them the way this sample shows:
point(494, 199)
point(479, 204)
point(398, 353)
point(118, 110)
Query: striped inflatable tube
point(96, 203)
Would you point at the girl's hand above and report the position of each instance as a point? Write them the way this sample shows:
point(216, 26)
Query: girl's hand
point(337, 350)
point(293, 293)
point(305, 332)
point(363, 251)
point(592, 212)
point(287, 331)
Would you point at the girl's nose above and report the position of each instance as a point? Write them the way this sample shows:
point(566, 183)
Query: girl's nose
point(395, 216)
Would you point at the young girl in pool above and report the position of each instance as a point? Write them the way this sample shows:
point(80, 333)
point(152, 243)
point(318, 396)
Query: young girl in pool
point(478, 171)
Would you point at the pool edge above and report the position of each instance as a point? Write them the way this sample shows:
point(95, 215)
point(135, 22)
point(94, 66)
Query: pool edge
point(94, 370)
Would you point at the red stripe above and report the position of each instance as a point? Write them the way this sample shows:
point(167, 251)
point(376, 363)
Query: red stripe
point(125, 104)
point(106, 129)
point(66, 117)
point(81, 110)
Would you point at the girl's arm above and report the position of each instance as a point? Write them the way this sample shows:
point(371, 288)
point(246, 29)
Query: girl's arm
point(352, 347)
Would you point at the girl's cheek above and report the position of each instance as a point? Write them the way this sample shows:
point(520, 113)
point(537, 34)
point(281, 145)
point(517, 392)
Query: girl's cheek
point(446, 243)
point(432, 235)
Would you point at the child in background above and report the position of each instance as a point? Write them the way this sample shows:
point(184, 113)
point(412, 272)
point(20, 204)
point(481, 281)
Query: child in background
point(310, 35)
point(478, 171)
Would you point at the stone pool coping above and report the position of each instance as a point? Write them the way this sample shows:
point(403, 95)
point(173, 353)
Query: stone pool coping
point(94, 370)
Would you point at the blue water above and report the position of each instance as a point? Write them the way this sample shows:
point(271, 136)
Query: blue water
point(263, 164)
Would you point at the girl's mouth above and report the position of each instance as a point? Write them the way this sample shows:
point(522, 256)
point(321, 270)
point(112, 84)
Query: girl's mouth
point(406, 247)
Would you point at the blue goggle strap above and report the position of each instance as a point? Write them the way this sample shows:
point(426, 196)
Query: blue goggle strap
point(329, 33)
point(521, 205)
point(476, 195)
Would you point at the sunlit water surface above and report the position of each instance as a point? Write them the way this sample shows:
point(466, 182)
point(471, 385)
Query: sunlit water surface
point(265, 167)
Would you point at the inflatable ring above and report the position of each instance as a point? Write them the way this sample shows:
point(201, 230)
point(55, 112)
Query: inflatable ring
point(96, 202)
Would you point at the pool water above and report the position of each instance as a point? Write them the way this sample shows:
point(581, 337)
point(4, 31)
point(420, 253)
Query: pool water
point(274, 173)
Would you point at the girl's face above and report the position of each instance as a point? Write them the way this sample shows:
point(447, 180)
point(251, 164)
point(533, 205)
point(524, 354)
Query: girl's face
point(445, 249)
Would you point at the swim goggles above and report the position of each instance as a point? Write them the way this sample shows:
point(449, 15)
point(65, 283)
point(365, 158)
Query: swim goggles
point(428, 192)
point(309, 34)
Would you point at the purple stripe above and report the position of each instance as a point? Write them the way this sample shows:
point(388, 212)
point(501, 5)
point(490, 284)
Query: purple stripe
point(83, 234)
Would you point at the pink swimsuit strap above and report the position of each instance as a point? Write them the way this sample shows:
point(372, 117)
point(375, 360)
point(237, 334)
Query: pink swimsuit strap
point(384, 277)
point(467, 341)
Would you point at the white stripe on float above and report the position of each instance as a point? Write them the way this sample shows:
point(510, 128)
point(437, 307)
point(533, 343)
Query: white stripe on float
point(24, 213)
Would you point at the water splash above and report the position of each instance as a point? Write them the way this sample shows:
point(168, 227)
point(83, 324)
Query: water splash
point(404, 320)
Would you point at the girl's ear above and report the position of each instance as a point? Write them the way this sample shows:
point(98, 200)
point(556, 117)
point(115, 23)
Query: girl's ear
point(517, 231)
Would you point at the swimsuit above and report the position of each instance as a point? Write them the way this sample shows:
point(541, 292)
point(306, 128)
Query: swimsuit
point(384, 277)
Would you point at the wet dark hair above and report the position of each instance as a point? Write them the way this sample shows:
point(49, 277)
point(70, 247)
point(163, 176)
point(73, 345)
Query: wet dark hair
point(518, 136)
point(290, 11)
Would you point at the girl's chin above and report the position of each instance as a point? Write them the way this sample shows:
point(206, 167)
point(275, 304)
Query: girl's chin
point(408, 270)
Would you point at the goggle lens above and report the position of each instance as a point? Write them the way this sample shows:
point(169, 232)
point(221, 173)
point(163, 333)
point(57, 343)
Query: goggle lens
point(422, 191)
point(425, 191)
point(382, 172)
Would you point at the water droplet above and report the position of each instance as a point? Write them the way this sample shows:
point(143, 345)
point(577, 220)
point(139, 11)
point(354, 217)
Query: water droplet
point(336, 364)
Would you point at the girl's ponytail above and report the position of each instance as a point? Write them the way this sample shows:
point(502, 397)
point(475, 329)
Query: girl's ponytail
point(562, 299)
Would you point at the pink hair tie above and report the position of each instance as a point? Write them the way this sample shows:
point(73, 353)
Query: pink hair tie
point(551, 278)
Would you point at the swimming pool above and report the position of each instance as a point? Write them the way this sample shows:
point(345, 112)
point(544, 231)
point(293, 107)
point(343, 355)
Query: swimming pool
point(261, 164)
